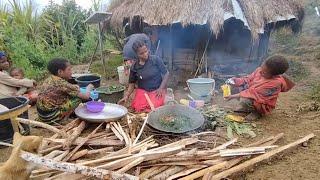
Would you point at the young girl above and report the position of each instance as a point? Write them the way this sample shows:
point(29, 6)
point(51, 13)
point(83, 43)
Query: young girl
point(261, 89)
point(58, 98)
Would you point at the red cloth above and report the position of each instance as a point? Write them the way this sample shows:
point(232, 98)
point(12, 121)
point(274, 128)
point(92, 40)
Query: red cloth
point(264, 92)
point(140, 103)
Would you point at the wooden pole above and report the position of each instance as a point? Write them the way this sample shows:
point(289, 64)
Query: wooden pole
point(260, 158)
point(75, 168)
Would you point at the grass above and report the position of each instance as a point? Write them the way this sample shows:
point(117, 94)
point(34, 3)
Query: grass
point(112, 62)
point(297, 70)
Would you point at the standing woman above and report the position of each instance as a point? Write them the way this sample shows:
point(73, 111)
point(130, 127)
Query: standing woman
point(151, 77)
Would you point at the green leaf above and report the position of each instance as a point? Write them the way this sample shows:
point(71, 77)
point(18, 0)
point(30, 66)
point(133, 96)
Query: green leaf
point(229, 132)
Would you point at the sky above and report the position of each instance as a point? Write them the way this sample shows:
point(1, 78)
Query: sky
point(86, 4)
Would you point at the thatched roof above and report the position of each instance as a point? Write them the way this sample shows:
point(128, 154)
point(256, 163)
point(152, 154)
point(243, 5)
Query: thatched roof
point(255, 14)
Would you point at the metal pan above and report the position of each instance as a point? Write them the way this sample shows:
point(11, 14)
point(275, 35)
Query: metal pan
point(110, 112)
point(175, 109)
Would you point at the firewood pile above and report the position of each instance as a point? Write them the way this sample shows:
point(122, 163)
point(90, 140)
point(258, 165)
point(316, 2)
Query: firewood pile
point(117, 151)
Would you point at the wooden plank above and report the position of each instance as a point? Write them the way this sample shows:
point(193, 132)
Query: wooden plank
point(260, 158)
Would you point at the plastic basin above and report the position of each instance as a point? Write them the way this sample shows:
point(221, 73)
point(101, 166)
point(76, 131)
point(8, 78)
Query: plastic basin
point(85, 80)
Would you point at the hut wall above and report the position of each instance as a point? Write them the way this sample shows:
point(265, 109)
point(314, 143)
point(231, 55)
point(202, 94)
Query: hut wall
point(232, 52)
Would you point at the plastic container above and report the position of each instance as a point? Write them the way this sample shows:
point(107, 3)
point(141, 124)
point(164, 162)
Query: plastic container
point(13, 104)
point(109, 95)
point(201, 88)
point(169, 97)
point(94, 95)
point(85, 80)
point(123, 77)
point(95, 106)
point(226, 89)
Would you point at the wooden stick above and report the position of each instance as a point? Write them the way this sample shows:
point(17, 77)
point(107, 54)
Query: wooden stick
point(74, 168)
point(116, 132)
point(76, 133)
point(97, 151)
point(152, 171)
point(43, 125)
point(169, 172)
point(244, 151)
point(260, 158)
point(141, 130)
point(149, 101)
point(94, 142)
point(66, 128)
point(131, 165)
point(79, 154)
point(80, 145)
point(45, 151)
point(185, 172)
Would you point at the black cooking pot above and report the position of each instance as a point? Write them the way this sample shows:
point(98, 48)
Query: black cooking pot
point(85, 80)
point(13, 104)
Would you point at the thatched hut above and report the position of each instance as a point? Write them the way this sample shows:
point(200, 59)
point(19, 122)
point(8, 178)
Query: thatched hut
point(230, 35)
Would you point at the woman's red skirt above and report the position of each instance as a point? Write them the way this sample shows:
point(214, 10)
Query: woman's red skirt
point(140, 103)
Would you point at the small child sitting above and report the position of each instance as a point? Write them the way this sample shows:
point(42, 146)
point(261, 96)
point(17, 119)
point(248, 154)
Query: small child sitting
point(18, 73)
point(261, 89)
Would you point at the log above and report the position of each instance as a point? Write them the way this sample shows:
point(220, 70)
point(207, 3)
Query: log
point(81, 144)
point(79, 154)
point(76, 169)
point(43, 125)
point(75, 134)
point(260, 158)
point(152, 171)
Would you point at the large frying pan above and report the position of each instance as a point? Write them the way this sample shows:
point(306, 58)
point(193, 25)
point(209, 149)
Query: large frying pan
point(174, 109)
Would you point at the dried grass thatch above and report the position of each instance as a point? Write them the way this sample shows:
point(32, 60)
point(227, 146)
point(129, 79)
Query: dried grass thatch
point(254, 13)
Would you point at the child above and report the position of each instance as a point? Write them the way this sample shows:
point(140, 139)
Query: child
point(18, 73)
point(58, 98)
point(262, 88)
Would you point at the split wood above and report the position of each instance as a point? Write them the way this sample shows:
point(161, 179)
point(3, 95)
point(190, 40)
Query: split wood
point(81, 144)
point(260, 158)
point(76, 133)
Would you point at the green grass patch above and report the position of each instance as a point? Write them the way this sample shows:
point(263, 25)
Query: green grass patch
point(297, 71)
point(112, 62)
point(315, 93)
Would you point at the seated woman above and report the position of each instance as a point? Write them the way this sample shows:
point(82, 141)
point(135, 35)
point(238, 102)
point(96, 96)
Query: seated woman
point(9, 86)
point(151, 76)
point(58, 98)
